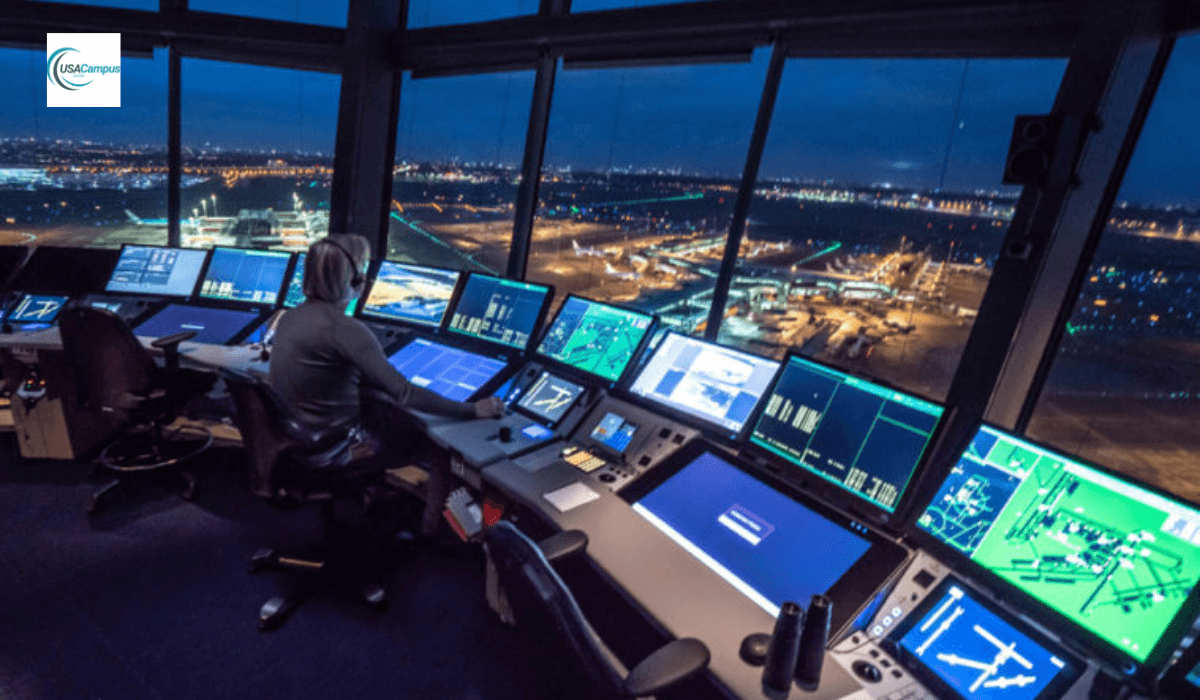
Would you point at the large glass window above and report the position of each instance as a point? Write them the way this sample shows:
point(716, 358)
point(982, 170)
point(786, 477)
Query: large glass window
point(82, 176)
point(257, 154)
point(639, 181)
point(590, 5)
point(458, 161)
point(151, 5)
point(1124, 389)
point(879, 212)
point(331, 12)
point(431, 13)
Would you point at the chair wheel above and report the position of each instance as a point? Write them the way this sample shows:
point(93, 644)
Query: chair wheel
point(93, 505)
point(261, 559)
point(190, 494)
point(375, 596)
point(273, 613)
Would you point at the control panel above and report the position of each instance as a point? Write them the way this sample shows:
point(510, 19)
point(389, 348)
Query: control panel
point(618, 441)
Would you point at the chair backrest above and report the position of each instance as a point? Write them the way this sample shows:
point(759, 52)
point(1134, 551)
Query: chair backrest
point(110, 363)
point(282, 453)
point(544, 607)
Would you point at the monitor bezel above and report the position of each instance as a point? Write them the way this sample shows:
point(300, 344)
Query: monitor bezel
point(1175, 684)
point(485, 388)
point(235, 303)
point(360, 307)
point(856, 587)
point(37, 287)
point(171, 297)
point(1063, 680)
point(712, 430)
point(535, 332)
point(533, 415)
point(587, 376)
point(1089, 642)
point(235, 339)
point(21, 252)
point(811, 480)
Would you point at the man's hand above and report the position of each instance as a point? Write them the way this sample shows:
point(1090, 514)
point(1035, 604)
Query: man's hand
point(489, 407)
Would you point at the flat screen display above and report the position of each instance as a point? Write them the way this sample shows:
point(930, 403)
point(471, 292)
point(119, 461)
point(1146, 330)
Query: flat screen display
point(717, 385)
point(239, 274)
point(450, 372)
point(216, 326)
point(70, 271)
point(977, 653)
point(1113, 557)
point(864, 437)
point(164, 272)
point(550, 397)
point(614, 432)
point(36, 308)
point(499, 310)
point(595, 337)
point(411, 293)
point(749, 534)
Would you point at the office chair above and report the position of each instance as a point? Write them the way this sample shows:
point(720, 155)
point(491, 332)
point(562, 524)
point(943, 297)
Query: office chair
point(118, 377)
point(291, 465)
point(545, 609)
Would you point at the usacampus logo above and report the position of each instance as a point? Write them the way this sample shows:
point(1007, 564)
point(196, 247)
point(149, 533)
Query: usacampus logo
point(83, 70)
point(59, 70)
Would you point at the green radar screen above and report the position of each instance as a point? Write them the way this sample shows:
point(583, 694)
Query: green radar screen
point(1114, 558)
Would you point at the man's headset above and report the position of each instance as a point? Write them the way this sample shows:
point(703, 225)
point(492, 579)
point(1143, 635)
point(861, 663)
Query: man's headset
point(357, 280)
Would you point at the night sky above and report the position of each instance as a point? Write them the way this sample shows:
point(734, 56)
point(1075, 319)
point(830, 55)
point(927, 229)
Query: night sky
point(851, 121)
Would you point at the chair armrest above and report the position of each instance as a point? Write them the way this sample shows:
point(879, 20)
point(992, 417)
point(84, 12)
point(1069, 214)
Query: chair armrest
point(563, 544)
point(670, 664)
point(316, 440)
point(173, 339)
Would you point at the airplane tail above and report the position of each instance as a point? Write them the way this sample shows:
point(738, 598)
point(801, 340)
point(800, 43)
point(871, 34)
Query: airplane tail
point(133, 217)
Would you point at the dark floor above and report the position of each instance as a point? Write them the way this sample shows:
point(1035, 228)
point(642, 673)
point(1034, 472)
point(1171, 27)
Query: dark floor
point(151, 599)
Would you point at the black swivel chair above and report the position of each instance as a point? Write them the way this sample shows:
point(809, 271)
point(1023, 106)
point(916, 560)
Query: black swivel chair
point(291, 465)
point(547, 612)
point(118, 377)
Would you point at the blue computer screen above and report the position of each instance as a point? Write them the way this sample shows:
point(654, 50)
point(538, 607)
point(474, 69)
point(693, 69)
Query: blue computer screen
point(500, 310)
point(216, 326)
point(237, 274)
point(295, 291)
point(451, 372)
point(970, 648)
point(614, 431)
point(595, 337)
point(766, 545)
point(719, 385)
point(36, 308)
point(550, 397)
point(864, 437)
point(411, 293)
point(170, 272)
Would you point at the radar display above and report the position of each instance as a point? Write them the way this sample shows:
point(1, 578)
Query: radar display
point(1115, 558)
point(594, 337)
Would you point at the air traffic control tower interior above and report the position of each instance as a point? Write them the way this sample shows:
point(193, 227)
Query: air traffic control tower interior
point(842, 351)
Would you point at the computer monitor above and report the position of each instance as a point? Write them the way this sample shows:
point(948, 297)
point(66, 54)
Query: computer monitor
point(216, 326)
point(768, 545)
point(500, 310)
point(614, 431)
point(411, 294)
point(36, 308)
point(1113, 557)
point(69, 271)
point(245, 275)
point(549, 398)
point(451, 372)
point(155, 271)
point(594, 337)
point(709, 383)
point(11, 259)
point(962, 646)
point(863, 437)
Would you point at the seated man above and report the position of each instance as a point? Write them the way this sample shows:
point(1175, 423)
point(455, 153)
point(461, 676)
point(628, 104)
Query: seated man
point(330, 368)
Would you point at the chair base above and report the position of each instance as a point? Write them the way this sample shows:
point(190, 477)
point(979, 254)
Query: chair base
point(107, 492)
point(317, 577)
point(154, 447)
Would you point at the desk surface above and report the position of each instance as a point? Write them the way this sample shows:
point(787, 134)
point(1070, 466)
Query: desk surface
point(245, 358)
point(673, 588)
